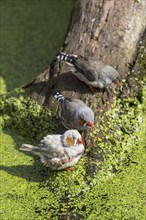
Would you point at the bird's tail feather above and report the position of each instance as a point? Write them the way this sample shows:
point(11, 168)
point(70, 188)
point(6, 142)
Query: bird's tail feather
point(69, 58)
point(58, 96)
point(34, 149)
point(28, 147)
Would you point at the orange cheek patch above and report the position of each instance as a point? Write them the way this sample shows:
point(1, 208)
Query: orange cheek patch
point(70, 141)
point(80, 121)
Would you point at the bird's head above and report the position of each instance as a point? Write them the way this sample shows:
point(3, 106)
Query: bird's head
point(84, 119)
point(72, 138)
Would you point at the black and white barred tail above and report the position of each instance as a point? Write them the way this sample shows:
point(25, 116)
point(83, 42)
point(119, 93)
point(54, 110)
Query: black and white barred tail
point(69, 58)
point(58, 96)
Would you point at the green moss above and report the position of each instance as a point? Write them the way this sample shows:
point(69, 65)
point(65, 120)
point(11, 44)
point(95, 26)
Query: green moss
point(109, 188)
point(142, 59)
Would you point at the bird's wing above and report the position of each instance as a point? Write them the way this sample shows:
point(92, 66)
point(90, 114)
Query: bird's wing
point(71, 158)
point(86, 68)
point(78, 102)
point(68, 110)
point(53, 145)
point(57, 163)
point(74, 104)
point(75, 151)
point(34, 149)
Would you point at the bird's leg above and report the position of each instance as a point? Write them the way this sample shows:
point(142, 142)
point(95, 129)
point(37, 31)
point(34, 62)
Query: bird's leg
point(85, 136)
point(93, 89)
point(106, 95)
point(109, 92)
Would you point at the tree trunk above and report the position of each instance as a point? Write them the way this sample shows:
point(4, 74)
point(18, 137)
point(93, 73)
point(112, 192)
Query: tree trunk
point(108, 30)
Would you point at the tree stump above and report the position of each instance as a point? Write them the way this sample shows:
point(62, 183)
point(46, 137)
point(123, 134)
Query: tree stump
point(106, 30)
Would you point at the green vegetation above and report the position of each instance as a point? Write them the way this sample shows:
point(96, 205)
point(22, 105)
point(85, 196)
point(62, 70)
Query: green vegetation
point(107, 188)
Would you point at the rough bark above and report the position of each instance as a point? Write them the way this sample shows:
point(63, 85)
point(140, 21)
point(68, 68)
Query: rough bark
point(108, 30)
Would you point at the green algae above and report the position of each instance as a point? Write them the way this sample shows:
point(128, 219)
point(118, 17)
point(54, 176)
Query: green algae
point(114, 190)
point(31, 34)
point(3, 88)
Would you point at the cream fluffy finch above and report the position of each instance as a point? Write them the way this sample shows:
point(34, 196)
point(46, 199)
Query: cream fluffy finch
point(58, 151)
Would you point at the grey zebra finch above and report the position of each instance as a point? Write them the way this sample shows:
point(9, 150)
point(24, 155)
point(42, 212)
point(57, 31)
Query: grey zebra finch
point(74, 113)
point(92, 72)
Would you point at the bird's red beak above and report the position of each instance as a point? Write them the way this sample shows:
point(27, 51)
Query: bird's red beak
point(90, 124)
point(80, 141)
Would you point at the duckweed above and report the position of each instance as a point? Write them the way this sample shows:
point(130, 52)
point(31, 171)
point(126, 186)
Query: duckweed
point(111, 187)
